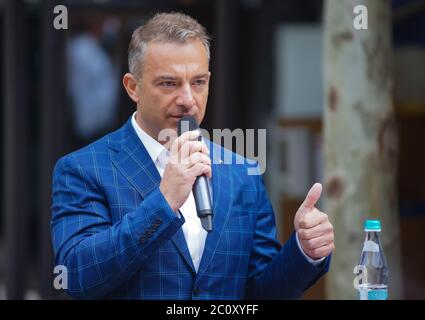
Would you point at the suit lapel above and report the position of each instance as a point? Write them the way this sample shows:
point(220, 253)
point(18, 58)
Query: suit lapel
point(181, 245)
point(222, 204)
point(135, 164)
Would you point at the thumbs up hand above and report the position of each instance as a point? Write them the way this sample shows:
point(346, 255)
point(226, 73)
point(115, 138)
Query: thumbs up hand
point(313, 227)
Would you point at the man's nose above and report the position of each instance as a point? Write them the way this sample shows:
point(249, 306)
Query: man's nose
point(185, 97)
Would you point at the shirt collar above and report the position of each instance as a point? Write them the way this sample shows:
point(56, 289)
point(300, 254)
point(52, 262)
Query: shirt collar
point(153, 147)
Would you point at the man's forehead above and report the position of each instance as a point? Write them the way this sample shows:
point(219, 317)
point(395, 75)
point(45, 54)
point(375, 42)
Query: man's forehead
point(163, 57)
point(190, 49)
point(188, 68)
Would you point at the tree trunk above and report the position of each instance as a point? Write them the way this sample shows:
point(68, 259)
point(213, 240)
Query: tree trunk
point(361, 146)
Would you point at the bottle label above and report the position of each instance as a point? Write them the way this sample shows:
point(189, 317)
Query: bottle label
point(367, 294)
point(370, 246)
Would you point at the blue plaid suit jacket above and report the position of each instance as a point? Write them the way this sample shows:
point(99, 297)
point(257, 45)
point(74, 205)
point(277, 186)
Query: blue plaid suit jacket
point(119, 239)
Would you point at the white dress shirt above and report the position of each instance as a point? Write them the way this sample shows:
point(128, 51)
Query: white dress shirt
point(194, 233)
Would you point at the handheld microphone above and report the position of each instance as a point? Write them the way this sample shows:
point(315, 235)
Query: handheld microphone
point(201, 187)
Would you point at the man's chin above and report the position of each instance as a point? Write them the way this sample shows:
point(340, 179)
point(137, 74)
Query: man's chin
point(174, 120)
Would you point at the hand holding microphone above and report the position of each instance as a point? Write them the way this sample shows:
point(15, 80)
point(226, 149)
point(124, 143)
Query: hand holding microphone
point(188, 168)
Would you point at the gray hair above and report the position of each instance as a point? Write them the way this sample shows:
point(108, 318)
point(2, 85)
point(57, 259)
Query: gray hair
point(164, 27)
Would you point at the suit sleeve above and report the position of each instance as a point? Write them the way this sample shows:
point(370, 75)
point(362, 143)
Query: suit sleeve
point(276, 272)
point(100, 256)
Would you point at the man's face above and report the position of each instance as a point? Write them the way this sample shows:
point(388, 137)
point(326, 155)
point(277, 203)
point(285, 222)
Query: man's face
point(174, 83)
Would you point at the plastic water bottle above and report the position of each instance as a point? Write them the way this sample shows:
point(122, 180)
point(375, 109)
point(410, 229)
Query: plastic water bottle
point(372, 268)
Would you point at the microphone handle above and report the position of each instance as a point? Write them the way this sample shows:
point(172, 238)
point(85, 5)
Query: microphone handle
point(201, 193)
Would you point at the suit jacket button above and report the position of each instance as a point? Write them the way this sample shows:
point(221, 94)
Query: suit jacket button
point(196, 291)
point(142, 240)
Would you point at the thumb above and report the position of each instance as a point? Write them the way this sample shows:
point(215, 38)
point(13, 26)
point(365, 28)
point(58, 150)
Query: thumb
point(312, 197)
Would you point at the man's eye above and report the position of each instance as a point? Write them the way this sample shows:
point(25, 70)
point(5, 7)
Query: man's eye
point(168, 84)
point(199, 82)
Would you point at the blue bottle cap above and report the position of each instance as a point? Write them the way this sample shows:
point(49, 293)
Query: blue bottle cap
point(372, 225)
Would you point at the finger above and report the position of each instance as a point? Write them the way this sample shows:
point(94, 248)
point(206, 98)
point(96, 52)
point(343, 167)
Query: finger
point(181, 140)
point(198, 146)
point(187, 149)
point(317, 231)
point(322, 252)
point(199, 157)
point(312, 219)
point(200, 169)
point(318, 242)
point(184, 152)
point(312, 197)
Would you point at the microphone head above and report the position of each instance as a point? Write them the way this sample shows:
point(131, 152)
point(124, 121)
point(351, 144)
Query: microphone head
point(187, 123)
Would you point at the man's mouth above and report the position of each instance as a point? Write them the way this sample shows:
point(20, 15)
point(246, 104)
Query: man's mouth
point(179, 116)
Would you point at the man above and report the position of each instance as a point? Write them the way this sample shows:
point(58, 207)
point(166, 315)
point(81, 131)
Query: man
point(124, 220)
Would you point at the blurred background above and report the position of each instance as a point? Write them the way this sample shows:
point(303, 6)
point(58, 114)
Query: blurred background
point(271, 68)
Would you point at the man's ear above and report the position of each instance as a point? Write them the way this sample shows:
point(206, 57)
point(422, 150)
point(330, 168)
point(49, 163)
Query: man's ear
point(131, 86)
